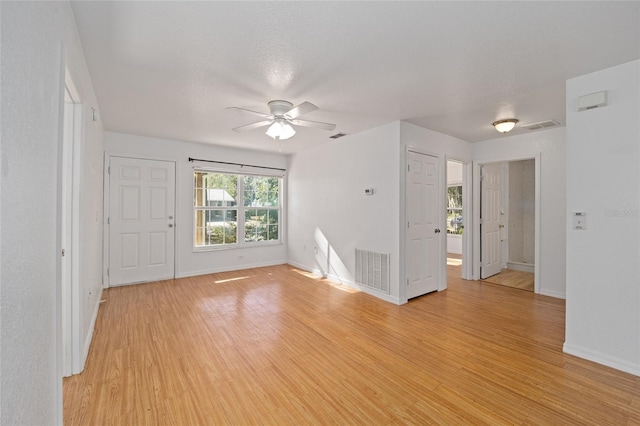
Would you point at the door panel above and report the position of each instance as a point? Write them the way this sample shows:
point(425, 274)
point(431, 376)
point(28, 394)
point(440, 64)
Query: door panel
point(141, 232)
point(491, 220)
point(422, 220)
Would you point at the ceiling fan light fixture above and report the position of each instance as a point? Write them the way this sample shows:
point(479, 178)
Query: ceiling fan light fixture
point(287, 131)
point(506, 125)
point(280, 129)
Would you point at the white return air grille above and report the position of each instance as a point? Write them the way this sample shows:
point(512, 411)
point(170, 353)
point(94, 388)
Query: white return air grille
point(540, 125)
point(372, 270)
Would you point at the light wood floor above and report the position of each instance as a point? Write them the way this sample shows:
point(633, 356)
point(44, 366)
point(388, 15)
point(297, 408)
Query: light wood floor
point(512, 278)
point(275, 346)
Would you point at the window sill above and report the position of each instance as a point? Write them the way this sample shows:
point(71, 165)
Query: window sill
point(237, 246)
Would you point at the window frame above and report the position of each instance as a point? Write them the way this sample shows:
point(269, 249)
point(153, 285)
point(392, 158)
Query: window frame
point(459, 226)
point(241, 211)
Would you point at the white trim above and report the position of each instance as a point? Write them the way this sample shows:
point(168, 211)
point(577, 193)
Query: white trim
point(467, 221)
point(106, 207)
point(521, 266)
point(551, 293)
point(69, 162)
point(338, 280)
point(236, 246)
point(66, 236)
point(230, 268)
point(467, 270)
point(106, 187)
point(87, 342)
point(241, 209)
point(442, 252)
point(600, 358)
point(476, 213)
point(537, 258)
point(70, 85)
point(78, 141)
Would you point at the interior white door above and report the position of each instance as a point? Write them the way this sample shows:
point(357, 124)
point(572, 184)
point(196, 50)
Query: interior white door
point(490, 219)
point(141, 220)
point(422, 233)
point(66, 227)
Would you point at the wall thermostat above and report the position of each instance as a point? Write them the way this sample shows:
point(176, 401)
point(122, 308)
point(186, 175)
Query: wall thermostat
point(579, 221)
point(368, 191)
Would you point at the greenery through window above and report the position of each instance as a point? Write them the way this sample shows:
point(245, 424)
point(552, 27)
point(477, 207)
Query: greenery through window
point(454, 209)
point(232, 209)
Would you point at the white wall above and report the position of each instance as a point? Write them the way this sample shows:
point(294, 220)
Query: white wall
point(35, 39)
point(454, 244)
point(454, 173)
point(603, 271)
point(521, 207)
point(328, 208)
point(188, 262)
point(550, 144)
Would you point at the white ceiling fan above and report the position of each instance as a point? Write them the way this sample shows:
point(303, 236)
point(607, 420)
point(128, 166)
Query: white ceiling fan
point(283, 115)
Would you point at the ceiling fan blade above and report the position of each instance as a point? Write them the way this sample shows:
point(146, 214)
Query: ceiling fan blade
point(261, 114)
point(303, 108)
point(252, 126)
point(315, 124)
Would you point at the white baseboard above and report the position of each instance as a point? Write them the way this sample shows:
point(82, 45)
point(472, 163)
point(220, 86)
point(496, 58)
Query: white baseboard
point(89, 338)
point(303, 267)
point(229, 268)
point(519, 266)
point(551, 293)
point(338, 280)
point(600, 358)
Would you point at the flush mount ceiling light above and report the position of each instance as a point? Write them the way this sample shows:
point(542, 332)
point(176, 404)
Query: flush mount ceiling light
point(505, 126)
point(280, 129)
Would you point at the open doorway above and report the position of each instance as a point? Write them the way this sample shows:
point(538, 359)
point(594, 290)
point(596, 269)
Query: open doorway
point(508, 212)
point(455, 226)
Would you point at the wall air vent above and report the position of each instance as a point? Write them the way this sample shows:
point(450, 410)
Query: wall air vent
point(592, 101)
point(541, 125)
point(372, 270)
point(337, 135)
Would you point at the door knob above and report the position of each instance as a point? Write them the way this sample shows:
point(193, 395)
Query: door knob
point(437, 231)
point(170, 217)
point(171, 225)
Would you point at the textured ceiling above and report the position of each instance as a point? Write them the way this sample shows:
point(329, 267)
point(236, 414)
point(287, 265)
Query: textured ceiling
point(169, 69)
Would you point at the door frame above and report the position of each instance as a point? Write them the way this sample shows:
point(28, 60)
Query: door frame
point(106, 208)
point(476, 213)
point(467, 221)
point(441, 263)
point(70, 322)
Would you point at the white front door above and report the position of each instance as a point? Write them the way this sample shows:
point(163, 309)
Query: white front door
point(490, 219)
point(141, 220)
point(422, 233)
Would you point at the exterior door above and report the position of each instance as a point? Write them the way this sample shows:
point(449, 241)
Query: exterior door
point(422, 233)
point(141, 220)
point(490, 219)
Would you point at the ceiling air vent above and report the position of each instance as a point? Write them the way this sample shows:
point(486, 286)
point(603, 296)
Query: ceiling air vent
point(338, 135)
point(541, 125)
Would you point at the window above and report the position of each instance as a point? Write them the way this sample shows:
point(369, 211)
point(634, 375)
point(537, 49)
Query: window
point(233, 210)
point(454, 209)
